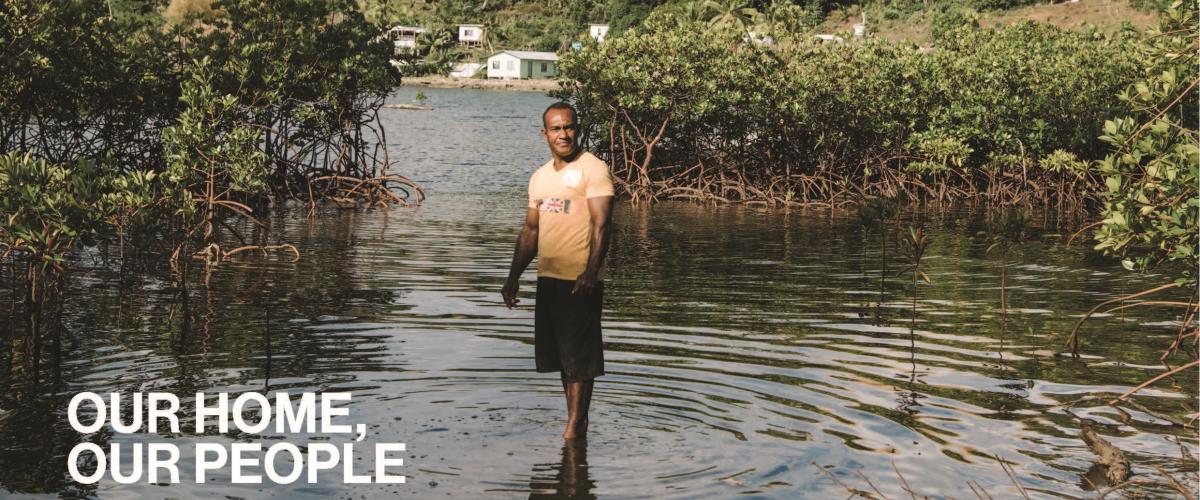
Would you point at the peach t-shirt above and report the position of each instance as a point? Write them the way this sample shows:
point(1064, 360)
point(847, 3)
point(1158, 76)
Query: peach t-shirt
point(564, 221)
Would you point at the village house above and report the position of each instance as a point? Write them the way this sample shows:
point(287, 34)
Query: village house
point(470, 34)
point(521, 64)
point(598, 31)
point(404, 37)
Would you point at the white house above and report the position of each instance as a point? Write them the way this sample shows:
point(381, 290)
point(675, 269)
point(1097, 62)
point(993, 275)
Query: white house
point(598, 31)
point(470, 34)
point(510, 64)
point(404, 37)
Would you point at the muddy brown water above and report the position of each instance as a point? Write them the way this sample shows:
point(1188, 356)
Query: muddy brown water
point(743, 346)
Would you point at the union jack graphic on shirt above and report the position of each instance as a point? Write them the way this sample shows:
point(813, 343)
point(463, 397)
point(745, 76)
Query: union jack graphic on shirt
point(555, 205)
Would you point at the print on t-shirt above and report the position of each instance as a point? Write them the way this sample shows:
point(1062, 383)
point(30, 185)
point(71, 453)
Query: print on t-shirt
point(571, 179)
point(555, 206)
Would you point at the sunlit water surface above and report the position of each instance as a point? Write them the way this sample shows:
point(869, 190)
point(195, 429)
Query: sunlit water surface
point(745, 348)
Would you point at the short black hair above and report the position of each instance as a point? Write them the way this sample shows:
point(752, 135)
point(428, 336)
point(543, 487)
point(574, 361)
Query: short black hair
point(560, 105)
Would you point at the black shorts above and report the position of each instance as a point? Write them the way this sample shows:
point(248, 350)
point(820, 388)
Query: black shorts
point(566, 330)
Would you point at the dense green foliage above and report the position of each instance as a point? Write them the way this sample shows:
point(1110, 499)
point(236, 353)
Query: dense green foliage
point(909, 6)
point(682, 111)
point(49, 207)
point(243, 106)
point(1151, 5)
point(1150, 178)
point(946, 22)
point(1000, 4)
point(114, 123)
point(79, 83)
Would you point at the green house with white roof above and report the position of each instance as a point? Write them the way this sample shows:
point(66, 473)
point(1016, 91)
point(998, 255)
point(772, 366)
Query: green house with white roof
point(522, 64)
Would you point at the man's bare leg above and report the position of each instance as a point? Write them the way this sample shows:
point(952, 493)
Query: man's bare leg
point(579, 399)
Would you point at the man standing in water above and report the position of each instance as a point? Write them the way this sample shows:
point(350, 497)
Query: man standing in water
point(566, 226)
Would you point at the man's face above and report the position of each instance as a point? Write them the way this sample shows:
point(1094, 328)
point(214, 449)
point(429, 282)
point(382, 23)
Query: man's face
point(560, 130)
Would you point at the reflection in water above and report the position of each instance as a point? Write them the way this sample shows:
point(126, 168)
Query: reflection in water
point(743, 345)
point(909, 398)
point(567, 479)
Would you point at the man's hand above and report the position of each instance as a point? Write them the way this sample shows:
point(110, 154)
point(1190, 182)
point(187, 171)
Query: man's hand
point(527, 243)
point(600, 211)
point(509, 293)
point(585, 284)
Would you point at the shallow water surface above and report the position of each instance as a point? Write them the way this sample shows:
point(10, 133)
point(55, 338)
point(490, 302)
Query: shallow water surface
point(746, 349)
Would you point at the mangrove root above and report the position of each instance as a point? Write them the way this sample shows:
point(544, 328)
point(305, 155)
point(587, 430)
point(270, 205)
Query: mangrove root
point(213, 254)
point(379, 191)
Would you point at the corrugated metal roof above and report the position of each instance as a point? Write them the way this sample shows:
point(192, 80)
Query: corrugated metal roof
point(528, 54)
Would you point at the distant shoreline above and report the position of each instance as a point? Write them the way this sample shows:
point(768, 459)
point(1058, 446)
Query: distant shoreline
point(476, 83)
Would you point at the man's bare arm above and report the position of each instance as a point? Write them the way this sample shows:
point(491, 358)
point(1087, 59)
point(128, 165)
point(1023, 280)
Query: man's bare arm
point(600, 208)
point(523, 254)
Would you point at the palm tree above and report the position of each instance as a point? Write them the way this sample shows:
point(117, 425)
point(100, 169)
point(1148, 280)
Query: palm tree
point(782, 16)
point(737, 15)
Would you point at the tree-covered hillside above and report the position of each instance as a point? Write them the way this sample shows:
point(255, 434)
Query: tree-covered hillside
point(552, 25)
